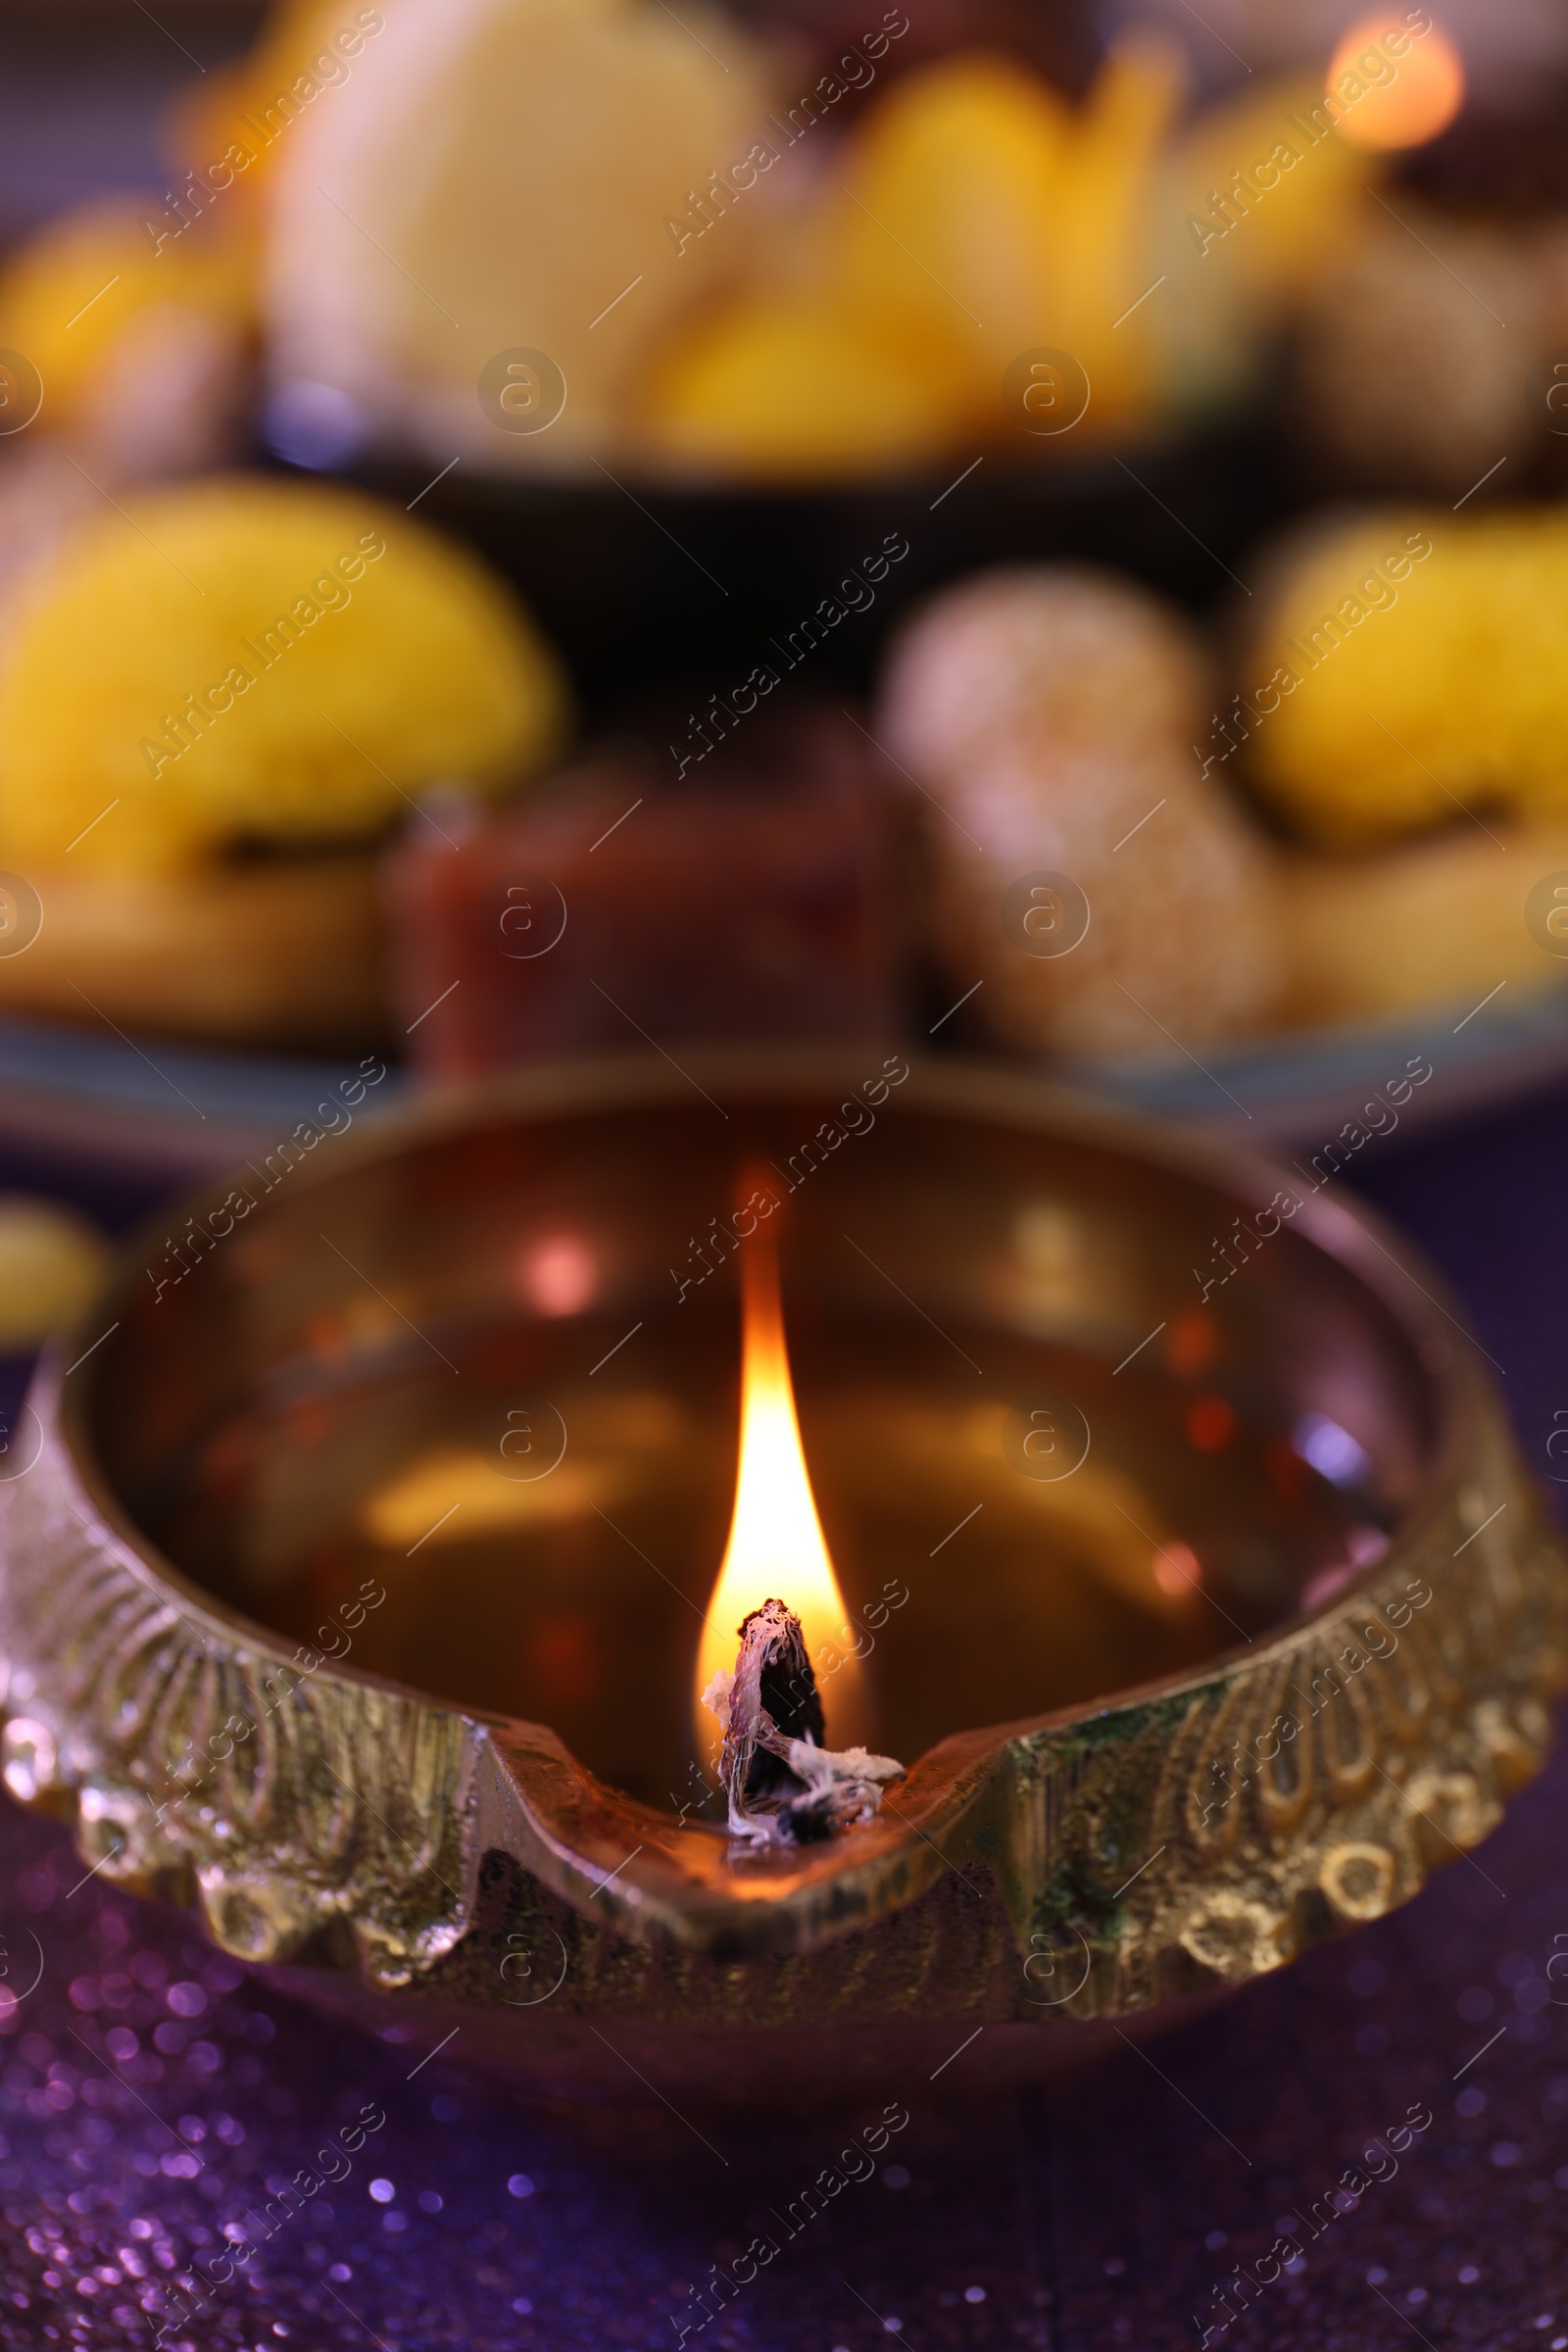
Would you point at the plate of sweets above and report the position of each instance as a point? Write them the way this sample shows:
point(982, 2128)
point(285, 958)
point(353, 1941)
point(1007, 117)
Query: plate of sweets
point(864, 538)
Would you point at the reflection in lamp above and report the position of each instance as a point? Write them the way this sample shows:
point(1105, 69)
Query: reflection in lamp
point(1178, 1570)
point(557, 1275)
point(1332, 1451)
point(454, 1493)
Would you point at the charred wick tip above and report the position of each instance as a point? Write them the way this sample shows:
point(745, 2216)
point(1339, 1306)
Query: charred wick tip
point(781, 1779)
point(787, 1688)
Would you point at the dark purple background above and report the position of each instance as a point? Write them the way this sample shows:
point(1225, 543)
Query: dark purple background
point(1098, 2215)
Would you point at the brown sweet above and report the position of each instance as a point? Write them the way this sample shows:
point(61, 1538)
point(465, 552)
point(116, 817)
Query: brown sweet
point(284, 951)
point(1438, 922)
point(1047, 718)
point(1458, 306)
point(623, 907)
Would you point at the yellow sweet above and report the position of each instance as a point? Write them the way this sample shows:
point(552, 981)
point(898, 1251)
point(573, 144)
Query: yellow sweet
point(1100, 232)
point(944, 225)
point(975, 217)
point(1253, 206)
point(1437, 922)
point(51, 1262)
point(234, 124)
point(1392, 690)
point(1268, 190)
point(244, 659)
point(68, 295)
point(785, 391)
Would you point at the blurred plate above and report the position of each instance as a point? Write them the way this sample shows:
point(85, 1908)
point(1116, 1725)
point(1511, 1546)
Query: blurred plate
point(1300, 1089)
point(176, 1114)
point(162, 1112)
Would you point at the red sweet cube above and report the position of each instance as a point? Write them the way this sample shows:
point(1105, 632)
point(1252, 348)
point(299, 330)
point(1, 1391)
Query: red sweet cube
point(754, 897)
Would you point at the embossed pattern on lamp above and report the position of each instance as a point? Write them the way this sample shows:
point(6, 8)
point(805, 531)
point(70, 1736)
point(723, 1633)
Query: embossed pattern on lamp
point(1236, 1580)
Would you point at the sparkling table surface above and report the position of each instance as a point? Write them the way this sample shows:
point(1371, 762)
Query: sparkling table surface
point(155, 2100)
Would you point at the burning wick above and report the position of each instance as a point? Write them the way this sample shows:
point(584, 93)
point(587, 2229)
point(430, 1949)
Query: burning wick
point(780, 1779)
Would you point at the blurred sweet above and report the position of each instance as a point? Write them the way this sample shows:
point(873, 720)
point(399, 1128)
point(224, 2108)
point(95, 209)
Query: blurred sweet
point(974, 221)
point(1407, 671)
point(1257, 199)
point(1418, 362)
point(1432, 923)
point(171, 398)
point(1106, 229)
point(243, 661)
point(43, 498)
point(51, 1262)
point(627, 904)
point(961, 166)
point(548, 234)
point(972, 217)
point(780, 389)
point(140, 326)
point(227, 133)
point(278, 951)
point(1082, 657)
point(1099, 896)
point(511, 174)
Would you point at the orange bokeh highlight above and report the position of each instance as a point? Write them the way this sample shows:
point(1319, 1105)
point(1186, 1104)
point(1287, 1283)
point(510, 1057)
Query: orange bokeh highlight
point(1178, 1570)
point(557, 1275)
point(1210, 1424)
point(1193, 1342)
point(1405, 96)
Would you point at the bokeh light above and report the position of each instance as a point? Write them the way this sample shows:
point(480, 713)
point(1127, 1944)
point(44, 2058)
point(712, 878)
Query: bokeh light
point(1394, 96)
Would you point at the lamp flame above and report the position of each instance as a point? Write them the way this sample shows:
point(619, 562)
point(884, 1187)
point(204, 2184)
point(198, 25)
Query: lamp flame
point(776, 1547)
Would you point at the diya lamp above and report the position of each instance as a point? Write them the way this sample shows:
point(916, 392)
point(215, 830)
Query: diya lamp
point(1123, 1629)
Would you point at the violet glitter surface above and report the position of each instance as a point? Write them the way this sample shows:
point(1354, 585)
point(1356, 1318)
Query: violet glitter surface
point(152, 2095)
